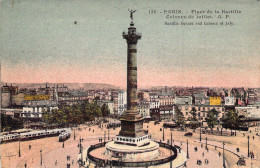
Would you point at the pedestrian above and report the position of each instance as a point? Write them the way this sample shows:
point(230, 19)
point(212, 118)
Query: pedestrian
point(25, 165)
point(201, 145)
point(202, 154)
point(253, 137)
point(219, 154)
point(215, 147)
point(56, 162)
point(30, 147)
point(72, 162)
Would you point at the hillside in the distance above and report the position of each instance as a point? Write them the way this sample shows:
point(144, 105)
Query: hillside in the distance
point(86, 86)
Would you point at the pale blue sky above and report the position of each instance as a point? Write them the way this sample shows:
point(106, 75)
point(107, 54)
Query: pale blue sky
point(40, 37)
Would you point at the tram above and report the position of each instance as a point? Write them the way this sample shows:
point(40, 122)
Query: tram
point(64, 136)
point(32, 135)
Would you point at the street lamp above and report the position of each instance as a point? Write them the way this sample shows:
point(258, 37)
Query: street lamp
point(200, 132)
point(206, 143)
point(224, 165)
point(163, 133)
point(81, 147)
point(104, 136)
point(19, 149)
point(108, 134)
point(248, 146)
point(74, 134)
point(41, 156)
point(171, 138)
point(187, 149)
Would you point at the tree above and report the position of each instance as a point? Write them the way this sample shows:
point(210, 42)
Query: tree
point(194, 123)
point(104, 110)
point(231, 120)
point(75, 114)
point(212, 119)
point(179, 117)
point(8, 123)
point(193, 113)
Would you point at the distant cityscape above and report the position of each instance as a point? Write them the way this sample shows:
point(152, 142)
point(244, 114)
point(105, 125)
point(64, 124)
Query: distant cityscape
point(157, 103)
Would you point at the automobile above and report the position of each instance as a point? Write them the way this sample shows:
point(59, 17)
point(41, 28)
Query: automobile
point(188, 134)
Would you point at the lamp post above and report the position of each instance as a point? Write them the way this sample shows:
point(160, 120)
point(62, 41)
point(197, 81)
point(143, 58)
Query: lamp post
point(108, 134)
point(80, 151)
point(81, 148)
point(104, 136)
point(163, 133)
point(41, 156)
point(187, 149)
point(200, 132)
point(248, 146)
point(224, 165)
point(171, 138)
point(19, 149)
point(206, 143)
point(74, 133)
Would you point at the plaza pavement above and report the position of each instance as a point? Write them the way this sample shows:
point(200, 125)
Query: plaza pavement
point(52, 149)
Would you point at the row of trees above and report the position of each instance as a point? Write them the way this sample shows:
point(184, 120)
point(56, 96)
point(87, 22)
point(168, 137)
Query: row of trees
point(229, 120)
point(8, 123)
point(76, 114)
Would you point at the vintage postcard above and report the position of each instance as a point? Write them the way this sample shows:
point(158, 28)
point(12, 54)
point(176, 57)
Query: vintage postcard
point(164, 84)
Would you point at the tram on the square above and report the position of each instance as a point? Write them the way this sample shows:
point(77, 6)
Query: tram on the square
point(33, 135)
point(64, 136)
